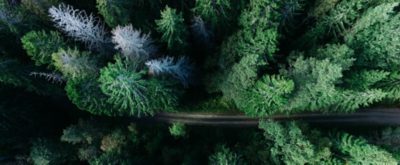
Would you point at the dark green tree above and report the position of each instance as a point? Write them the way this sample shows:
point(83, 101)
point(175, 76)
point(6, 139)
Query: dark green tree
point(174, 31)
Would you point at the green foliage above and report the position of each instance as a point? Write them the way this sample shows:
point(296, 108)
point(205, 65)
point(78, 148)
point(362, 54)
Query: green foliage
point(375, 36)
point(115, 12)
point(315, 83)
point(74, 64)
point(338, 54)
point(290, 145)
point(321, 8)
point(173, 29)
point(131, 94)
point(260, 57)
point(86, 95)
point(177, 129)
point(40, 45)
point(268, 96)
point(336, 22)
point(389, 139)
point(13, 75)
point(349, 101)
point(111, 158)
point(46, 152)
point(39, 7)
point(391, 86)
point(224, 155)
point(358, 151)
point(241, 77)
point(365, 79)
point(242, 54)
point(100, 142)
point(213, 11)
point(15, 18)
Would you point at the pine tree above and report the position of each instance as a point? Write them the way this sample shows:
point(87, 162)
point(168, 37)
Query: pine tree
point(268, 96)
point(115, 12)
point(173, 30)
point(389, 139)
point(216, 12)
point(374, 38)
point(179, 69)
point(336, 22)
point(74, 64)
point(224, 155)
point(290, 145)
point(39, 7)
point(358, 151)
point(40, 45)
point(177, 130)
point(86, 95)
point(133, 44)
point(131, 93)
point(242, 54)
point(46, 152)
point(79, 25)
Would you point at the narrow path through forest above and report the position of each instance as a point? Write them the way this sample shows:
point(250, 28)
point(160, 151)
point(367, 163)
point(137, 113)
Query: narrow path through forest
point(363, 117)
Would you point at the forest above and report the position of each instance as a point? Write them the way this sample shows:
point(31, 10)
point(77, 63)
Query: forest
point(80, 81)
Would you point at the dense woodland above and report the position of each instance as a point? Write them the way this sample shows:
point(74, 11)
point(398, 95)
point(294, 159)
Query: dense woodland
point(75, 73)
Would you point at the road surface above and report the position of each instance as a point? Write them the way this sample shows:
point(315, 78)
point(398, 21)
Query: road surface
point(364, 117)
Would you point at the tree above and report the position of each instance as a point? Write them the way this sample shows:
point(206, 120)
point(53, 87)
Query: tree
point(243, 53)
point(358, 151)
point(179, 69)
point(269, 95)
point(133, 44)
point(131, 94)
point(290, 145)
point(79, 25)
point(372, 38)
point(74, 64)
point(115, 12)
point(40, 45)
point(177, 130)
point(224, 155)
point(215, 12)
point(46, 152)
point(173, 29)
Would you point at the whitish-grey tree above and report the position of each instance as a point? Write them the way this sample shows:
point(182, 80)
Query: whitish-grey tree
point(51, 77)
point(79, 25)
point(133, 44)
point(179, 69)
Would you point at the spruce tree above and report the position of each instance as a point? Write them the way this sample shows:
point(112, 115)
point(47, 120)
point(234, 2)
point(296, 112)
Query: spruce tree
point(173, 30)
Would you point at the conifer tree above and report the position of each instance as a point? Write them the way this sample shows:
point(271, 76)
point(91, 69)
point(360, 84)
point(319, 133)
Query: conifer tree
point(216, 12)
point(372, 38)
point(173, 30)
point(257, 37)
point(224, 155)
point(291, 146)
point(41, 45)
point(115, 12)
point(358, 151)
point(79, 25)
point(129, 91)
point(133, 44)
point(177, 130)
point(74, 64)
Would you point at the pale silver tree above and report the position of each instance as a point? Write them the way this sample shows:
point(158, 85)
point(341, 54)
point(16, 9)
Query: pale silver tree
point(179, 69)
point(79, 25)
point(133, 44)
point(51, 77)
